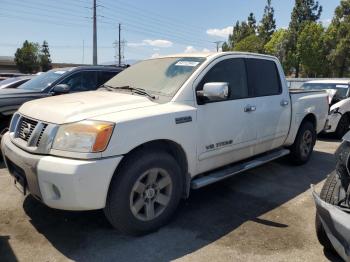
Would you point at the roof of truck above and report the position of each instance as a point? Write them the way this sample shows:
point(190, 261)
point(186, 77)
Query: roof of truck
point(215, 54)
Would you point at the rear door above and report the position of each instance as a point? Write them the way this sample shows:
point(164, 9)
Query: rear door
point(273, 107)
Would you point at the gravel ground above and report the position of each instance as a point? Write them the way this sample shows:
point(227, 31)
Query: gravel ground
point(266, 214)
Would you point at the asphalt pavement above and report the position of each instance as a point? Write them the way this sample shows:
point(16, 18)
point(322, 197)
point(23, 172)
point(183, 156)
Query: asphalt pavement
point(266, 214)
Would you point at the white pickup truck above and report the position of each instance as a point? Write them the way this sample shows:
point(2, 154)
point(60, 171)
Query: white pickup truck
point(158, 129)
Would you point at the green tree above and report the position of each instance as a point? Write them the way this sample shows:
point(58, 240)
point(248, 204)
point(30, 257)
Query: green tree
point(338, 40)
point(251, 43)
point(310, 48)
point(268, 23)
point(277, 45)
point(241, 30)
point(303, 11)
point(45, 58)
point(27, 58)
point(252, 23)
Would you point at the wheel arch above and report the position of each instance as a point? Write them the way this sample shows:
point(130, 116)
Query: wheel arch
point(309, 118)
point(169, 146)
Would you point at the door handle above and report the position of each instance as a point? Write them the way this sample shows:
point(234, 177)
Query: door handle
point(284, 102)
point(249, 108)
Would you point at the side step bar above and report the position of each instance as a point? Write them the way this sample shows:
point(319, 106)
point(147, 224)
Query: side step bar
point(235, 169)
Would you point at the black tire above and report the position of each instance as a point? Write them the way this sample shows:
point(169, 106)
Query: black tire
point(297, 155)
point(330, 194)
point(3, 130)
point(343, 127)
point(118, 208)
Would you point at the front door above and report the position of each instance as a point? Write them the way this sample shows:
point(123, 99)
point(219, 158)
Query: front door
point(226, 129)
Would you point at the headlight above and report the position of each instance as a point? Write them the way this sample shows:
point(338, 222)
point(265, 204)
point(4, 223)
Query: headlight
point(84, 137)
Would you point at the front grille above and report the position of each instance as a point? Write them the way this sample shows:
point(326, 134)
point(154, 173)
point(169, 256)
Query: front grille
point(26, 128)
point(32, 135)
point(41, 134)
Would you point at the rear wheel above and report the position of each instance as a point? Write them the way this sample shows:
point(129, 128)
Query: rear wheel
point(304, 144)
point(144, 193)
point(330, 194)
point(343, 126)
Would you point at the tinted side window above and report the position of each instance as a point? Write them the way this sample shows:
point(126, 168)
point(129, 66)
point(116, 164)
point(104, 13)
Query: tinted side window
point(103, 77)
point(231, 71)
point(73, 81)
point(263, 77)
point(88, 81)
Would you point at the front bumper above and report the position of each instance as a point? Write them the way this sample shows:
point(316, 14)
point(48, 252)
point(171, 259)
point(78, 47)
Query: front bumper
point(336, 224)
point(332, 122)
point(62, 183)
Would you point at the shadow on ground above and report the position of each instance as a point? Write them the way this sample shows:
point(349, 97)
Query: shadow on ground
point(6, 252)
point(208, 215)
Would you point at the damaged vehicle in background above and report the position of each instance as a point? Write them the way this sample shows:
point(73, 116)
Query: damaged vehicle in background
point(338, 121)
point(333, 205)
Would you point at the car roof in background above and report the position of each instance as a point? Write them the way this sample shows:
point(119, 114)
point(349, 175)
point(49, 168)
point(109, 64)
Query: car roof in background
point(98, 68)
point(330, 81)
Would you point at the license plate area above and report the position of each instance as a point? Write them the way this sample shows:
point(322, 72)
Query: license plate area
point(18, 174)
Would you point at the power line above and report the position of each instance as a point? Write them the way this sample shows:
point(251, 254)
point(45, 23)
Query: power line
point(149, 22)
point(161, 30)
point(148, 31)
point(156, 16)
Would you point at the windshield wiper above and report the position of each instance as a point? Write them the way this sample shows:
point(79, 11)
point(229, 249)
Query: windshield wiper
point(107, 87)
point(139, 91)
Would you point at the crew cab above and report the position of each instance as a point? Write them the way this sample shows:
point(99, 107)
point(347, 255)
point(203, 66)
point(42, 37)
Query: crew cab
point(54, 82)
point(338, 121)
point(158, 129)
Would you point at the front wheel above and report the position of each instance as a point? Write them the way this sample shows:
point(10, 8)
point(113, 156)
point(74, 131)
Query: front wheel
point(304, 143)
point(144, 193)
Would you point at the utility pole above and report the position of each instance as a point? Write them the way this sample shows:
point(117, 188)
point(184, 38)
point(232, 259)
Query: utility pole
point(94, 54)
point(218, 43)
point(119, 47)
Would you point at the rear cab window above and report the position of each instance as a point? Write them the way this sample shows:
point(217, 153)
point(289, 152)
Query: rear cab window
point(263, 77)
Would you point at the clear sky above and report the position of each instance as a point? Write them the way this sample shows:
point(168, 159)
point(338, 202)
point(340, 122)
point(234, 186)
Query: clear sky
point(150, 28)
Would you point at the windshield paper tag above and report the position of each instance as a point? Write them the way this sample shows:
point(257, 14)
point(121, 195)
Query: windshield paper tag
point(342, 86)
point(187, 63)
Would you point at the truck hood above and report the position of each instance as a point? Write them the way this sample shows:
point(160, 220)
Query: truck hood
point(79, 106)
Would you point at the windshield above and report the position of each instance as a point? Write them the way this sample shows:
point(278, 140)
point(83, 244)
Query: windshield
point(342, 89)
point(163, 76)
point(42, 81)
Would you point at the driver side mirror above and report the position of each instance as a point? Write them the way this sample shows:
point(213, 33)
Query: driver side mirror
point(215, 91)
point(61, 89)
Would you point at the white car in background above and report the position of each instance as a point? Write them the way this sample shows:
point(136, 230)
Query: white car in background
point(338, 121)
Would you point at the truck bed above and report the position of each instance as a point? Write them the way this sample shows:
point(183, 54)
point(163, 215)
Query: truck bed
point(302, 91)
